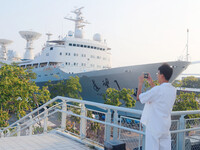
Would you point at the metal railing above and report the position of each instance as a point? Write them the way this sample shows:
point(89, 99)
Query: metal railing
point(96, 123)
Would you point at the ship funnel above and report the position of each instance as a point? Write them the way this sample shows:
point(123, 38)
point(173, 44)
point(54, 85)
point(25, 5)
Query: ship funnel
point(29, 36)
point(3, 51)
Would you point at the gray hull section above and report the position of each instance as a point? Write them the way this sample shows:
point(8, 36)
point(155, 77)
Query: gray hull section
point(95, 83)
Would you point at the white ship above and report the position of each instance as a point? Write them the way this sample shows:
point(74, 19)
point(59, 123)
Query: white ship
point(74, 55)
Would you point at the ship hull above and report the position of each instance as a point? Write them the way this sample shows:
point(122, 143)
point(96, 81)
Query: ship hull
point(95, 83)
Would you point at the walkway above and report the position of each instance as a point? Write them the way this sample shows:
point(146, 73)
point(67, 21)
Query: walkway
point(41, 142)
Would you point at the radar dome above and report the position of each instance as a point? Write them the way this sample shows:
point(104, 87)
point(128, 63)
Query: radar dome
point(79, 33)
point(70, 33)
point(97, 37)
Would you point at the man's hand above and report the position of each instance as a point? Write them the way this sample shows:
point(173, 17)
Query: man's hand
point(150, 80)
point(140, 82)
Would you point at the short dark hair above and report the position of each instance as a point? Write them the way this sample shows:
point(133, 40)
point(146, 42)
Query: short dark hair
point(166, 70)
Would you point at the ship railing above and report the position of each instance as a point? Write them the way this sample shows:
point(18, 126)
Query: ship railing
point(101, 125)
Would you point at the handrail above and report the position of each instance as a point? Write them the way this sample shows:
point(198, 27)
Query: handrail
point(189, 112)
point(103, 106)
point(41, 107)
point(102, 122)
point(32, 123)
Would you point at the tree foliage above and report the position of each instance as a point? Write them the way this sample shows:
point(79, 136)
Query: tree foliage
point(186, 101)
point(18, 93)
point(188, 82)
point(113, 97)
point(70, 88)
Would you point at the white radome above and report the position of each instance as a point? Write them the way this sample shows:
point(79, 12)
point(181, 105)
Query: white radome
point(70, 33)
point(97, 37)
point(79, 34)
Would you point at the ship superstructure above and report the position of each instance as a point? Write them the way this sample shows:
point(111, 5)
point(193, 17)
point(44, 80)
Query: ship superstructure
point(74, 53)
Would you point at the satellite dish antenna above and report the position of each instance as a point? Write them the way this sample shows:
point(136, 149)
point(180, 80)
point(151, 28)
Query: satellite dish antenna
point(29, 36)
point(3, 51)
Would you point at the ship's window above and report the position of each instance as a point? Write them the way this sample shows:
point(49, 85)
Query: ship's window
point(47, 54)
point(69, 54)
point(104, 49)
point(74, 44)
point(66, 53)
point(57, 73)
point(60, 53)
point(45, 75)
point(39, 75)
point(92, 56)
point(83, 64)
point(92, 47)
point(85, 46)
point(43, 64)
point(67, 63)
point(35, 65)
point(51, 48)
point(78, 45)
point(81, 45)
point(98, 57)
point(70, 44)
point(51, 74)
point(88, 46)
point(100, 48)
point(95, 47)
point(92, 65)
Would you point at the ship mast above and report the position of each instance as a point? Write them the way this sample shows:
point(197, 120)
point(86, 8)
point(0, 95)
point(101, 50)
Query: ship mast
point(79, 21)
point(187, 53)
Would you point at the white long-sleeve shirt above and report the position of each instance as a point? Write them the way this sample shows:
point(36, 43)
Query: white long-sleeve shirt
point(158, 102)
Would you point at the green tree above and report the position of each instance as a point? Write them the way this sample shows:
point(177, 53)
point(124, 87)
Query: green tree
point(186, 101)
point(188, 82)
point(18, 93)
point(113, 97)
point(70, 88)
point(191, 82)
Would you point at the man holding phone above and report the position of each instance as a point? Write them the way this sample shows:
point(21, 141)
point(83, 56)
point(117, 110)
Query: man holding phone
point(156, 115)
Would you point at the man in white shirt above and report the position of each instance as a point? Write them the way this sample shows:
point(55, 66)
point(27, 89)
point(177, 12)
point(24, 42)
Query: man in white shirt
point(156, 114)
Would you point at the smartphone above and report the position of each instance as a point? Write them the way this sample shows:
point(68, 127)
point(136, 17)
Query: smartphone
point(146, 75)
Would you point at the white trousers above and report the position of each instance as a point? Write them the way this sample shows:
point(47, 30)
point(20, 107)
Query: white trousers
point(160, 142)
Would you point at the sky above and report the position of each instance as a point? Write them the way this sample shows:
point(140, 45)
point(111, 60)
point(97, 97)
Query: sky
point(137, 31)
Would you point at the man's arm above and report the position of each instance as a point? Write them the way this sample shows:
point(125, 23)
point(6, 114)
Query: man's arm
point(140, 82)
point(150, 81)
